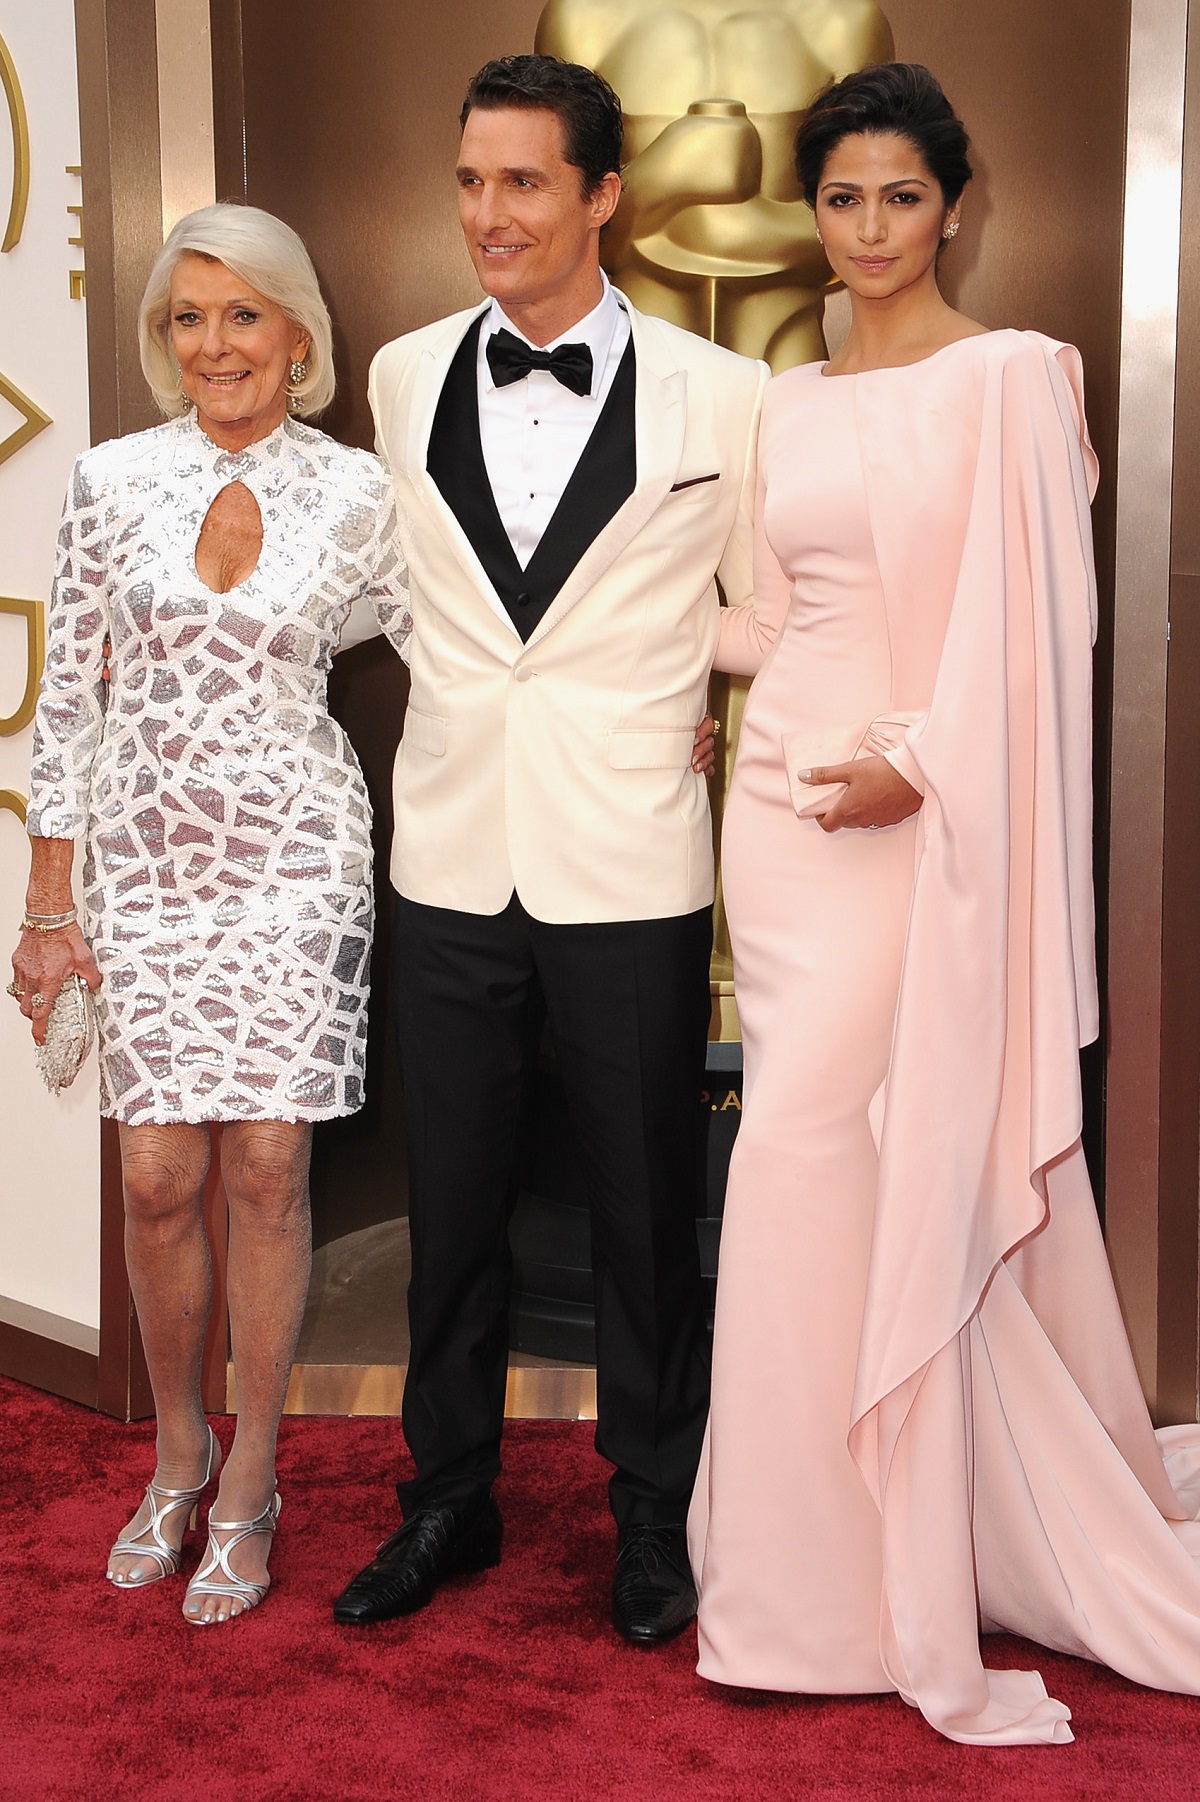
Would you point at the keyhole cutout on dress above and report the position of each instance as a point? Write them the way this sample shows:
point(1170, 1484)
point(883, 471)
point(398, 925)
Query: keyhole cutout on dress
point(230, 541)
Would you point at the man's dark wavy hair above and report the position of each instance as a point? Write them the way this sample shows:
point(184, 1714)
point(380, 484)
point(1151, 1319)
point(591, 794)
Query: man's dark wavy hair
point(589, 110)
point(885, 97)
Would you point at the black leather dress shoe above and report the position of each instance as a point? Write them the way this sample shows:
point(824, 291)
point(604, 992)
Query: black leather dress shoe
point(433, 1544)
point(654, 1596)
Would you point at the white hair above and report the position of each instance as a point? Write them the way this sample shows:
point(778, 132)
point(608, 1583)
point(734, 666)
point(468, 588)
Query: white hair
point(263, 251)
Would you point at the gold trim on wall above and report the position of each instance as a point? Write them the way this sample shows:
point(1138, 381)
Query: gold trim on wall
point(20, 136)
point(34, 614)
point(35, 420)
point(1145, 458)
point(12, 802)
point(183, 32)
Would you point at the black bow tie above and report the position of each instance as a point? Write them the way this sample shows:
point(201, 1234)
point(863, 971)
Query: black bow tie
point(510, 359)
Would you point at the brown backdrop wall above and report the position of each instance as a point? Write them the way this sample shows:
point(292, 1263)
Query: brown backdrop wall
point(358, 153)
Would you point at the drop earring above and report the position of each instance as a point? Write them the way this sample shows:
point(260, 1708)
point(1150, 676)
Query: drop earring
point(296, 377)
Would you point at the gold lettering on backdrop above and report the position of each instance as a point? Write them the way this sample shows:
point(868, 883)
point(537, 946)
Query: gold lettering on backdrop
point(77, 277)
point(712, 232)
point(20, 138)
point(33, 613)
point(35, 420)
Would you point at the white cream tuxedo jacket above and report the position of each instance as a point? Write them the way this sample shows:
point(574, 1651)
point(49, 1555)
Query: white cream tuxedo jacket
point(561, 767)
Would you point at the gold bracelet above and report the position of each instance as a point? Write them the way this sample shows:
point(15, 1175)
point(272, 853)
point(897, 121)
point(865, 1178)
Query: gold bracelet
point(44, 923)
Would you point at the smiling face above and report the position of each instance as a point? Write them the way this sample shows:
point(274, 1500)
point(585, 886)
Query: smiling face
point(533, 235)
point(881, 214)
point(234, 348)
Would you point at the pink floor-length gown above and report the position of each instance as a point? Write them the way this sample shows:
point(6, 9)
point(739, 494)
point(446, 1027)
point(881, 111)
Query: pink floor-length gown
point(925, 1413)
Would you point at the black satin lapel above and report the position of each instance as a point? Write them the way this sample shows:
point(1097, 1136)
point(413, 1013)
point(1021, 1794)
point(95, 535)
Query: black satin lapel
point(602, 481)
point(455, 462)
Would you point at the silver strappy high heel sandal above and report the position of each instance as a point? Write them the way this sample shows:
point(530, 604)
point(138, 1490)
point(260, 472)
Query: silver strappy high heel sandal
point(150, 1541)
point(215, 1578)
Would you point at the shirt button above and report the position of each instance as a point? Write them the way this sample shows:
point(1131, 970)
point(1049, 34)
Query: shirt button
point(523, 674)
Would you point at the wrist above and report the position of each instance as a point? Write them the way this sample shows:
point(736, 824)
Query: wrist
point(47, 901)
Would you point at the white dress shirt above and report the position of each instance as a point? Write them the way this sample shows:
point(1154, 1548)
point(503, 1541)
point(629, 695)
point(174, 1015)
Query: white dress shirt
point(534, 431)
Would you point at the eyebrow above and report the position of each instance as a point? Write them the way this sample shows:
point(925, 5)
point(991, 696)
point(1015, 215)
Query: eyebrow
point(245, 301)
point(530, 174)
point(855, 187)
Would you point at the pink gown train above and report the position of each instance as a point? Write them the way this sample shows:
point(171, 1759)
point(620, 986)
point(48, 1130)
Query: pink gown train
point(925, 1413)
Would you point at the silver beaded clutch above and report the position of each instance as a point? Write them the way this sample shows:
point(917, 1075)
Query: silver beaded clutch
point(69, 1034)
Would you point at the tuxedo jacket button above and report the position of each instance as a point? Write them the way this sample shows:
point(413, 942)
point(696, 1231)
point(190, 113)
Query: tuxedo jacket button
point(523, 674)
point(523, 600)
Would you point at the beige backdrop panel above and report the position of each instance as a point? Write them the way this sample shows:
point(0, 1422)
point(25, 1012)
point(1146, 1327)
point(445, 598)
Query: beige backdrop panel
point(49, 1150)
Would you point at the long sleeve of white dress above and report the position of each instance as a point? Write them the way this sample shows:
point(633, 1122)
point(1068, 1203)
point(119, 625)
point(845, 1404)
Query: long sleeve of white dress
point(74, 696)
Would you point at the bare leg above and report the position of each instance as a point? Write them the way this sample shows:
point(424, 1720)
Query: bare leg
point(166, 1248)
point(265, 1168)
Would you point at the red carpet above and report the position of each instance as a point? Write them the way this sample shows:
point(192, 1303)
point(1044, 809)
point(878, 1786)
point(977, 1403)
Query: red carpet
point(511, 1685)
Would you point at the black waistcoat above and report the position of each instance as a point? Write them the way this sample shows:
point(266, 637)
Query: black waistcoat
point(603, 479)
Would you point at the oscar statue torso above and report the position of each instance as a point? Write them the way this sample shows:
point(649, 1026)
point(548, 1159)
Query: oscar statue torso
point(712, 232)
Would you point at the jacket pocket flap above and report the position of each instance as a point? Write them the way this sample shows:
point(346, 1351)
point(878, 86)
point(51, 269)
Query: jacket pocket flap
point(634, 749)
point(425, 732)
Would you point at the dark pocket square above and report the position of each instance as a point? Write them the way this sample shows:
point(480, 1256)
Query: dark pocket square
point(695, 481)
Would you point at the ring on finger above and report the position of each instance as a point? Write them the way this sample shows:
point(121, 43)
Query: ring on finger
point(37, 1000)
point(14, 991)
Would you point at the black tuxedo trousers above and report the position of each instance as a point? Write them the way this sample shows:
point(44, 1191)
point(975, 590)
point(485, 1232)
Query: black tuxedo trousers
point(627, 1006)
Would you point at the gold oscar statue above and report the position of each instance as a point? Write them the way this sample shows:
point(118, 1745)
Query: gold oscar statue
point(712, 232)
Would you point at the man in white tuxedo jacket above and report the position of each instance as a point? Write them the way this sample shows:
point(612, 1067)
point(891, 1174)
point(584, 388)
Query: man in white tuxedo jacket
point(575, 476)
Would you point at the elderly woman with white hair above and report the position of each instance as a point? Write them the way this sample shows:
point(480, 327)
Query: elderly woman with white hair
point(207, 571)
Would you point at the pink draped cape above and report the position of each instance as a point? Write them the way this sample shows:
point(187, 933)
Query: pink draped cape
point(992, 1346)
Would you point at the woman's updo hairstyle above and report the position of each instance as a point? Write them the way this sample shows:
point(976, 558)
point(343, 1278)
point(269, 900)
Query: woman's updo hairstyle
point(900, 98)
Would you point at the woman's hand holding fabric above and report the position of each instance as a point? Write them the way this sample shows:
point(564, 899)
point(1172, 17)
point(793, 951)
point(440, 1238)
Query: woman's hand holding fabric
point(875, 794)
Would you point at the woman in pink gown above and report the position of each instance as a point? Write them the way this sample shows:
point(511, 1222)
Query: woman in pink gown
point(925, 1413)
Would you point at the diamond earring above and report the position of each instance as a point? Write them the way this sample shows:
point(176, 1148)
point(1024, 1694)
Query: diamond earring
point(297, 375)
point(951, 230)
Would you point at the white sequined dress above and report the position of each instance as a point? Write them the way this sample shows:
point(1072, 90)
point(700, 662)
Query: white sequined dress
point(227, 876)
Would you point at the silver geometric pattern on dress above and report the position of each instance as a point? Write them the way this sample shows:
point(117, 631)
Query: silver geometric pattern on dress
point(227, 874)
